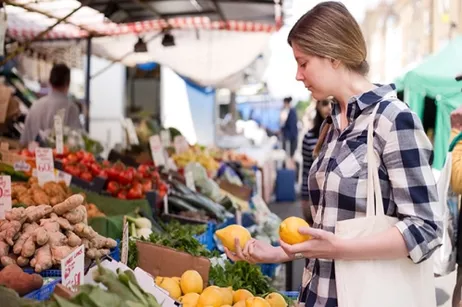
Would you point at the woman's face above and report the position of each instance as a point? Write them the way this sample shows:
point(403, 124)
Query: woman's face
point(317, 74)
point(324, 107)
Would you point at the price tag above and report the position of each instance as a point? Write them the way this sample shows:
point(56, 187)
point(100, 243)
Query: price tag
point(157, 150)
point(132, 136)
point(21, 166)
point(5, 195)
point(125, 238)
point(180, 144)
point(45, 165)
point(72, 269)
point(166, 138)
point(63, 176)
point(190, 181)
point(58, 121)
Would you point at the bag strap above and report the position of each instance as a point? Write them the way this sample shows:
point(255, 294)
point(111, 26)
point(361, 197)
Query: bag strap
point(454, 142)
point(373, 182)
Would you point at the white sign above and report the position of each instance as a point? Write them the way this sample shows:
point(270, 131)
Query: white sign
point(5, 195)
point(21, 166)
point(157, 150)
point(63, 176)
point(166, 138)
point(45, 165)
point(190, 181)
point(180, 144)
point(72, 269)
point(58, 121)
point(125, 238)
point(165, 204)
point(132, 136)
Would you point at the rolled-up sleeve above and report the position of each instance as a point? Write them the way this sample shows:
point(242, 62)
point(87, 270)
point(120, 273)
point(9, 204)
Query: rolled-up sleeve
point(407, 156)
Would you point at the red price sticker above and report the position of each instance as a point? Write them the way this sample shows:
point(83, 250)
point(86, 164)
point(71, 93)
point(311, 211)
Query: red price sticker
point(5, 195)
point(45, 165)
point(72, 269)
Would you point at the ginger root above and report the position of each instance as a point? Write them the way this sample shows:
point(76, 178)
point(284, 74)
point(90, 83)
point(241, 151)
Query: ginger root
point(28, 230)
point(16, 214)
point(4, 249)
point(69, 204)
point(42, 260)
point(9, 230)
point(76, 215)
point(72, 239)
point(37, 213)
point(7, 260)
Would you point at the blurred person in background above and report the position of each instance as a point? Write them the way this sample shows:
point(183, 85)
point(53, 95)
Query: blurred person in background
point(289, 128)
point(323, 109)
point(42, 112)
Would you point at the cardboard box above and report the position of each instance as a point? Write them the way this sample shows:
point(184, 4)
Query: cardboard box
point(167, 262)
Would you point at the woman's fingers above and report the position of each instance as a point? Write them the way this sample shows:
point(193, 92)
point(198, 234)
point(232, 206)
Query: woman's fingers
point(238, 248)
point(231, 255)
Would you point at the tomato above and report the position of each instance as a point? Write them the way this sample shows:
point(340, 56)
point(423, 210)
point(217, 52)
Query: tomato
point(125, 177)
point(113, 187)
point(112, 173)
point(135, 193)
point(80, 154)
point(102, 174)
point(86, 176)
point(122, 195)
point(95, 169)
point(65, 161)
point(72, 170)
point(119, 166)
point(106, 163)
point(72, 158)
point(147, 186)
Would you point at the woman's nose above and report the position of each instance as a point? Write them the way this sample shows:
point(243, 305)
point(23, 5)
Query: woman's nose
point(299, 75)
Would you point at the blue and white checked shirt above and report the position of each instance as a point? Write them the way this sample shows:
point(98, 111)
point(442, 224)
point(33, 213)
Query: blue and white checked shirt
point(338, 180)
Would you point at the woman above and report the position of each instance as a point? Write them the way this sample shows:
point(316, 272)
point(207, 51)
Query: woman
point(323, 109)
point(289, 128)
point(331, 55)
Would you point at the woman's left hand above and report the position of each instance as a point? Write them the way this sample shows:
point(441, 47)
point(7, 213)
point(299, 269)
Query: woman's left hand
point(323, 245)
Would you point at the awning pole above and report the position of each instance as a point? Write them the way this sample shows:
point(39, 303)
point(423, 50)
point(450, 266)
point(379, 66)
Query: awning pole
point(87, 85)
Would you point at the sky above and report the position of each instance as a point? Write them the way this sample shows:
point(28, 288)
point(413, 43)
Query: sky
point(280, 74)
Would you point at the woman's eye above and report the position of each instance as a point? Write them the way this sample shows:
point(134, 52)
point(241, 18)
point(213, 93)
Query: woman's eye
point(303, 65)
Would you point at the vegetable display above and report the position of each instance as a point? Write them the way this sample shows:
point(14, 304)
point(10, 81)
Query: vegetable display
point(32, 194)
point(41, 236)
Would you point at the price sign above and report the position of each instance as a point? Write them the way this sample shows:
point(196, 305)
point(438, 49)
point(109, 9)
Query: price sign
point(21, 166)
point(190, 181)
point(132, 136)
point(157, 150)
point(125, 238)
point(166, 138)
point(5, 195)
point(180, 144)
point(63, 176)
point(58, 123)
point(45, 165)
point(72, 269)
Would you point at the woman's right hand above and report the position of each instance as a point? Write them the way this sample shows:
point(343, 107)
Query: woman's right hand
point(255, 251)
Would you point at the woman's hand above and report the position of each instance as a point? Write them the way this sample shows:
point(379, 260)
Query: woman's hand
point(255, 251)
point(323, 245)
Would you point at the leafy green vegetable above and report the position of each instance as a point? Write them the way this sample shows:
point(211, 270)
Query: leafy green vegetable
point(241, 275)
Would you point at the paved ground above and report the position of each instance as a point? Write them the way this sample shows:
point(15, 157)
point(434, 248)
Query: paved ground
point(443, 285)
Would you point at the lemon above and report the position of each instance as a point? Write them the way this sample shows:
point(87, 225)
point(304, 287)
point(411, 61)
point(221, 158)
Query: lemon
point(288, 230)
point(276, 300)
point(228, 234)
point(241, 295)
point(177, 279)
point(227, 295)
point(240, 304)
point(210, 297)
point(171, 287)
point(158, 280)
point(226, 306)
point(256, 302)
point(191, 282)
point(189, 300)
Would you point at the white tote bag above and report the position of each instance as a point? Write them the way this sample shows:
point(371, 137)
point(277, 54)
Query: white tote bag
point(380, 283)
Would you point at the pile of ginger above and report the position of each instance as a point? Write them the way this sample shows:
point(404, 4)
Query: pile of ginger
point(32, 194)
point(41, 236)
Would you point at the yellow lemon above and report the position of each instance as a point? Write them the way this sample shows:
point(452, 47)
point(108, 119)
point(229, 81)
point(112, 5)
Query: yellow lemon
point(227, 295)
point(177, 279)
point(158, 280)
point(240, 304)
point(241, 295)
point(226, 306)
point(228, 234)
point(288, 230)
point(189, 300)
point(276, 300)
point(210, 297)
point(256, 302)
point(191, 282)
point(171, 287)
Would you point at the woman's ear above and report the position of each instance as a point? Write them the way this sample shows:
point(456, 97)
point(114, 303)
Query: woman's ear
point(335, 63)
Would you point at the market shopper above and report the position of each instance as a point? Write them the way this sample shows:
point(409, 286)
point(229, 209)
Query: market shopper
point(331, 55)
point(41, 114)
point(289, 127)
point(323, 109)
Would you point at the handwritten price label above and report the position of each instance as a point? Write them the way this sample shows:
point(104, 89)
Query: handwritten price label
point(5, 195)
point(58, 121)
point(157, 150)
point(45, 165)
point(72, 269)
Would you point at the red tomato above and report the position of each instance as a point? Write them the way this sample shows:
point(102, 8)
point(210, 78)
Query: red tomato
point(112, 173)
point(125, 177)
point(147, 186)
point(103, 174)
point(122, 195)
point(106, 163)
point(72, 158)
point(80, 154)
point(135, 193)
point(86, 176)
point(73, 170)
point(113, 187)
point(65, 161)
point(95, 169)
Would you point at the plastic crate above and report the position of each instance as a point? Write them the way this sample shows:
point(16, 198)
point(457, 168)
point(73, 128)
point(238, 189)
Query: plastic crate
point(207, 238)
point(115, 252)
point(269, 269)
point(293, 295)
point(45, 292)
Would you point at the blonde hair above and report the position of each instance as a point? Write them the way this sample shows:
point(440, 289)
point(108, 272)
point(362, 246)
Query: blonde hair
point(330, 31)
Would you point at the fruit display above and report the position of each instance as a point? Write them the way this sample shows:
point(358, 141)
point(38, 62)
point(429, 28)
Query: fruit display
point(30, 193)
point(40, 236)
point(196, 155)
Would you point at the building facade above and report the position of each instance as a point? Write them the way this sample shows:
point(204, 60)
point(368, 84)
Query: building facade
point(401, 33)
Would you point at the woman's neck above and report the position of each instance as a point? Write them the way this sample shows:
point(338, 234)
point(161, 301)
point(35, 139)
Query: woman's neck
point(353, 85)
